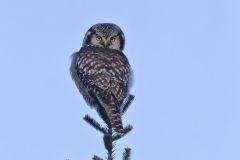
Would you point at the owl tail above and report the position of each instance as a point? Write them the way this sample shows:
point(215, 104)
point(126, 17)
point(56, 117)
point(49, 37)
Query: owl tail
point(113, 115)
point(115, 118)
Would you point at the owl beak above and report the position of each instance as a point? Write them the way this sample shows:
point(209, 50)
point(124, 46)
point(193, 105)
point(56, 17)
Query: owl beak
point(105, 43)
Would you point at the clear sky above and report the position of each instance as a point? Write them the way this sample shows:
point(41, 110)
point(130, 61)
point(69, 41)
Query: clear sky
point(186, 60)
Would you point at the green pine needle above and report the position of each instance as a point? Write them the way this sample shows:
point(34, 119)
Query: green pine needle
point(127, 103)
point(95, 124)
point(96, 158)
point(127, 154)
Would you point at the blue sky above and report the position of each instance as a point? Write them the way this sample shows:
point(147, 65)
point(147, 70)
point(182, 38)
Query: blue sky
point(186, 61)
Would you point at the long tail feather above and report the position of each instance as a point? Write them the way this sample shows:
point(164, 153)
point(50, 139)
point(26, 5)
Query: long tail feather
point(113, 115)
point(115, 118)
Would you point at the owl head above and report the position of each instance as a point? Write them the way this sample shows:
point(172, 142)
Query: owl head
point(106, 35)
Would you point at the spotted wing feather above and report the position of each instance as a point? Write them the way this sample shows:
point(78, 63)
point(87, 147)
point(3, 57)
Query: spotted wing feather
point(102, 76)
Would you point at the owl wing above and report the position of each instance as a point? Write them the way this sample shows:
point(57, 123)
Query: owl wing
point(96, 69)
point(76, 76)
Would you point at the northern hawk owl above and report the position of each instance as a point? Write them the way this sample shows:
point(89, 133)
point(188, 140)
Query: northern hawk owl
point(102, 72)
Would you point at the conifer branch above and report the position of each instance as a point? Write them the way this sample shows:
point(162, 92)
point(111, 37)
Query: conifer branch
point(102, 113)
point(96, 158)
point(127, 154)
point(109, 135)
point(127, 103)
point(127, 129)
point(95, 124)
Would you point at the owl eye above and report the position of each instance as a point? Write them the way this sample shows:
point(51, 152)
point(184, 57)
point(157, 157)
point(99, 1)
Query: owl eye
point(112, 39)
point(99, 38)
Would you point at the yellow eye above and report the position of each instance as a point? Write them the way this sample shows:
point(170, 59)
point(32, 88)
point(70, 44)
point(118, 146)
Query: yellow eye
point(112, 39)
point(99, 38)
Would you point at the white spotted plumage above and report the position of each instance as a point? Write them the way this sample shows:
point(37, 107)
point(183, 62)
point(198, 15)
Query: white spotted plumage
point(102, 72)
